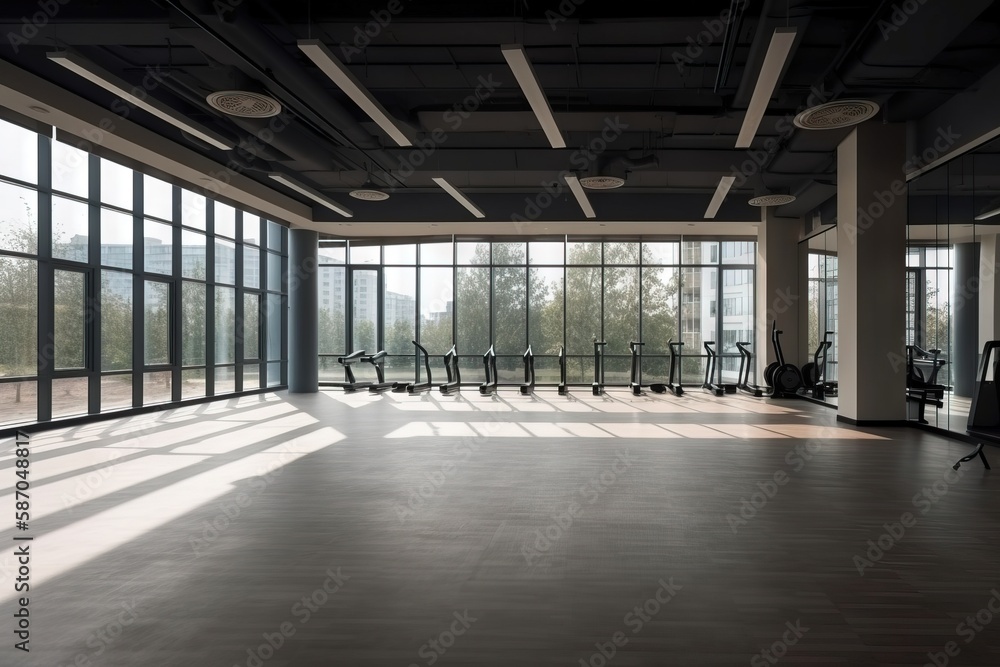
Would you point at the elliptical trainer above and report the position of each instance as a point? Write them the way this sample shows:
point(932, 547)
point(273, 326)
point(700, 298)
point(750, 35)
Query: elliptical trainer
point(783, 379)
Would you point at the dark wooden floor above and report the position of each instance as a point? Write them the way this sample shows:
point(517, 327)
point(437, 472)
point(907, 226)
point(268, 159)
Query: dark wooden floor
point(401, 530)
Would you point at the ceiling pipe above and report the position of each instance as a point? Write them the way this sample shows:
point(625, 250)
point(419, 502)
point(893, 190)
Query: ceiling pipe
point(732, 35)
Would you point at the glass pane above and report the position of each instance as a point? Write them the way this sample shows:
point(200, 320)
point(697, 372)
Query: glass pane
point(157, 323)
point(193, 383)
point(251, 326)
point(274, 374)
point(436, 253)
point(546, 252)
point(18, 219)
point(332, 254)
point(509, 254)
point(621, 253)
point(156, 388)
point(273, 272)
point(19, 157)
point(225, 220)
point(510, 308)
point(364, 325)
point(193, 324)
point(400, 308)
point(472, 253)
point(69, 340)
point(116, 184)
point(70, 229)
point(69, 397)
point(116, 392)
point(472, 311)
point(698, 313)
point(193, 259)
point(251, 377)
point(739, 252)
point(116, 239)
point(225, 262)
point(158, 241)
point(116, 321)
point(436, 306)
point(332, 310)
point(579, 252)
point(70, 169)
point(251, 267)
point(225, 325)
point(275, 234)
point(545, 310)
point(158, 198)
point(583, 309)
point(400, 254)
point(700, 252)
point(368, 254)
point(225, 380)
point(251, 228)
point(18, 402)
point(737, 319)
point(659, 309)
point(661, 253)
point(19, 314)
point(621, 308)
point(275, 308)
point(193, 207)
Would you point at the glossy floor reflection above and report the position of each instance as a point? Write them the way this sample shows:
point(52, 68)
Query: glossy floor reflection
point(336, 528)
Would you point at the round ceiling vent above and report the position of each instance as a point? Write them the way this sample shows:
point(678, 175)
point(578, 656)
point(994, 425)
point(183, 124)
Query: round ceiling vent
point(369, 195)
point(840, 113)
point(772, 200)
point(602, 182)
point(244, 104)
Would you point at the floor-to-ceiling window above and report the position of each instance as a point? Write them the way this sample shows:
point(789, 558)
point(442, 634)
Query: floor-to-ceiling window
point(119, 289)
point(550, 293)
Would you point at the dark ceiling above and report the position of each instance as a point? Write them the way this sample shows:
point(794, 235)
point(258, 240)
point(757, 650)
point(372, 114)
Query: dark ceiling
point(595, 64)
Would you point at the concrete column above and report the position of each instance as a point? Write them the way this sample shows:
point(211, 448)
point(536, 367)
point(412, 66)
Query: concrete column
point(303, 311)
point(965, 318)
point(871, 248)
point(778, 290)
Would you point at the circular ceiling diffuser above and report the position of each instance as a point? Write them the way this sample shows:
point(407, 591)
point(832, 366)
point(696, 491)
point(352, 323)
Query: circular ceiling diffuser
point(772, 200)
point(602, 182)
point(369, 195)
point(840, 113)
point(244, 104)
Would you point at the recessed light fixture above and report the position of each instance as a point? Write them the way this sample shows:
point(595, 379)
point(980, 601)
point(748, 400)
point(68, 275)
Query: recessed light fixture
point(581, 197)
point(313, 194)
point(113, 84)
point(338, 72)
point(770, 70)
point(516, 57)
point(721, 191)
point(459, 197)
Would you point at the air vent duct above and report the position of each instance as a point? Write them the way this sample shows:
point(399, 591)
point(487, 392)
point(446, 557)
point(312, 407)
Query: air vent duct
point(244, 104)
point(832, 115)
point(602, 182)
point(772, 200)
